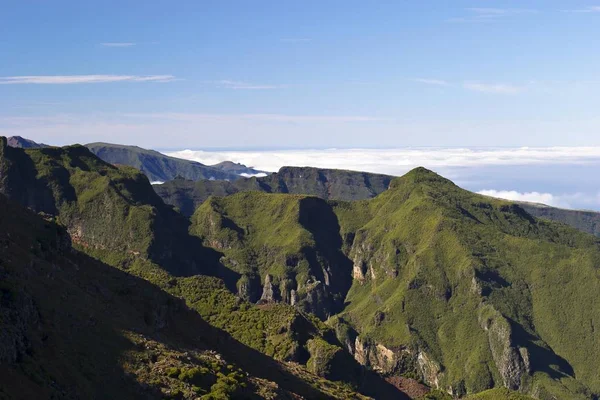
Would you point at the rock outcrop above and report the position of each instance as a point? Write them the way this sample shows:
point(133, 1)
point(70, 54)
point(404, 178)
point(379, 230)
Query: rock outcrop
point(512, 362)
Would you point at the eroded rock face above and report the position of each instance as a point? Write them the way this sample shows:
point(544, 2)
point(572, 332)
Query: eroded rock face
point(316, 300)
point(396, 362)
point(430, 369)
point(248, 287)
point(512, 362)
point(268, 293)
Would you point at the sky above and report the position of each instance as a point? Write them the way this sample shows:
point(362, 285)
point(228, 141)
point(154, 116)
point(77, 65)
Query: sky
point(383, 86)
point(309, 74)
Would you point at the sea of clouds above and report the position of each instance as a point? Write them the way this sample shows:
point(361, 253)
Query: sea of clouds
point(559, 176)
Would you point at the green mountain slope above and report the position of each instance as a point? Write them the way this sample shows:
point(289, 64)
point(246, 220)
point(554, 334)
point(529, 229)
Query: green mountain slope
point(157, 166)
point(113, 215)
point(289, 242)
point(73, 327)
point(462, 291)
point(328, 184)
point(105, 208)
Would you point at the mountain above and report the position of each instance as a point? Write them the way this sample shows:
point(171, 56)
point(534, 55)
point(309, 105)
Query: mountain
point(73, 327)
point(238, 169)
point(157, 166)
point(328, 184)
point(139, 246)
point(108, 292)
point(585, 221)
point(20, 142)
point(463, 292)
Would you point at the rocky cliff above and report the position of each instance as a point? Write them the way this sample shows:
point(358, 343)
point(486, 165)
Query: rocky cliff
point(327, 184)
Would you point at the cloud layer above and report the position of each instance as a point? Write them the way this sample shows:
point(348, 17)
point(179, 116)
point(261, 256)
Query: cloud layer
point(78, 79)
point(565, 200)
point(397, 161)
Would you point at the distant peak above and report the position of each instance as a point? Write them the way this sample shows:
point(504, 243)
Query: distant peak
point(421, 175)
point(21, 142)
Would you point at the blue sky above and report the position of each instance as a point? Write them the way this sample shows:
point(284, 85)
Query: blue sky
point(286, 74)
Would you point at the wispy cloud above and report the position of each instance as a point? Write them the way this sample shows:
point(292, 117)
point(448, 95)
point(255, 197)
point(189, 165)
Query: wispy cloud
point(436, 82)
point(488, 14)
point(494, 88)
point(239, 85)
point(118, 44)
point(191, 117)
point(591, 9)
point(78, 79)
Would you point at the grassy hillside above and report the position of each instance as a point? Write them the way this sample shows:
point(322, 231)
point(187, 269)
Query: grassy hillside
point(113, 215)
point(157, 166)
point(327, 184)
point(73, 327)
point(103, 207)
point(464, 292)
point(291, 241)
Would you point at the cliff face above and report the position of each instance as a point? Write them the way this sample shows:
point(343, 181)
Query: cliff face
point(585, 221)
point(327, 184)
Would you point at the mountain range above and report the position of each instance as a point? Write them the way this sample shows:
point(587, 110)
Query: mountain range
point(303, 284)
point(156, 166)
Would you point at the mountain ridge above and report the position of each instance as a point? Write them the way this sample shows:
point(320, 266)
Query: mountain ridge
point(331, 184)
point(424, 271)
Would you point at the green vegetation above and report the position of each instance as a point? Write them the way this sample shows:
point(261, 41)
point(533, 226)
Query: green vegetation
point(329, 184)
point(426, 280)
point(112, 214)
point(290, 239)
point(479, 291)
point(73, 327)
point(499, 394)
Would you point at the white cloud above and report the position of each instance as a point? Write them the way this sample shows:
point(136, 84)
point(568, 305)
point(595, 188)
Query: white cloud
point(259, 175)
point(591, 9)
point(496, 88)
point(284, 118)
point(238, 85)
point(77, 79)
point(488, 14)
point(530, 197)
point(563, 200)
point(397, 161)
point(118, 44)
point(437, 82)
